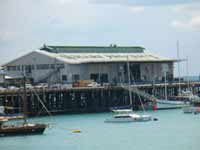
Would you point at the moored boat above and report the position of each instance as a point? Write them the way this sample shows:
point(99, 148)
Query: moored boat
point(24, 128)
point(193, 108)
point(127, 116)
point(170, 104)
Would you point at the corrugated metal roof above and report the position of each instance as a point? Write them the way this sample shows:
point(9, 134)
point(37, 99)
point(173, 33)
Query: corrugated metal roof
point(93, 49)
point(78, 58)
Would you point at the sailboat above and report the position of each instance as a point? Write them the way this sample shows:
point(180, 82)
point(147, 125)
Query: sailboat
point(173, 103)
point(168, 103)
point(127, 115)
point(22, 129)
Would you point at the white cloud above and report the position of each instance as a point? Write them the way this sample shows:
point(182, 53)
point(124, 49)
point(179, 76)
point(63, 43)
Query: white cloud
point(195, 22)
point(143, 2)
point(25, 18)
point(7, 35)
point(192, 8)
point(191, 21)
point(137, 9)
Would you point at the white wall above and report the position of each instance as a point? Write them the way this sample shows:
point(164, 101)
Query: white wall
point(33, 58)
point(150, 70)
point(1, 78)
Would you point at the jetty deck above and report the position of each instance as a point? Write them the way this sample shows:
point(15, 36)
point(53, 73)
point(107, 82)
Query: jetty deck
point(86, 99)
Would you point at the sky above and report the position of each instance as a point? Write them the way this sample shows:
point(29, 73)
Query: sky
point(25, 25)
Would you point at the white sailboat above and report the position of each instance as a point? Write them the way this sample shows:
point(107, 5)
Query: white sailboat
point(170, 103)
point(127, 115)
point(167, 103)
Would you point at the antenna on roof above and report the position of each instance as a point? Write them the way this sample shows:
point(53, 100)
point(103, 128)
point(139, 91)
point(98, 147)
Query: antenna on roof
point(113, 45)
point(44, 45)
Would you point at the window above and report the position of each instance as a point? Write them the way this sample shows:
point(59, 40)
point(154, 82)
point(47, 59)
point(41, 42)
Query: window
point(52, 66)
point(94, 76)
point(42, 66)
point(11, 68)
point(28, 69)
point(104, 77)
point(32, 67)
point(60, 66)
point(18, 68)
point(64, 77)
point(75, 77)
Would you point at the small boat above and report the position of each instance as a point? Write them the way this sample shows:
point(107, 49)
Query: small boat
point(186, 96)
point(170, 104)
point(24, 128)
point(127, 115)
point(193, 108)
point(167, 103)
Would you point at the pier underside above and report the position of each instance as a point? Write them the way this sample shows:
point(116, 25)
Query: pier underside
point(84, 99)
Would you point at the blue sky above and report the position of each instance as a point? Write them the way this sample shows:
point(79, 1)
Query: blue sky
point(155, 24)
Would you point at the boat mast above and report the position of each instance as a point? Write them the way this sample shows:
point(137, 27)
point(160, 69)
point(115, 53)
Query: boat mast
point(129, 83)
point(187, 70)
point(179, 80)
point(165, 74)
point(24, 100)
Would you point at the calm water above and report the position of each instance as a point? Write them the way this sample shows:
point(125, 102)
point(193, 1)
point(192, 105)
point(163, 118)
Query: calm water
point(173, 131)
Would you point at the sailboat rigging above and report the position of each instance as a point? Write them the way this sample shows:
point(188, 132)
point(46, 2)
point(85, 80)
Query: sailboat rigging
point(25, 128)
point(167, 103)
point(127, 115)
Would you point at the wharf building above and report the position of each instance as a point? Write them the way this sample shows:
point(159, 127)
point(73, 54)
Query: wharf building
point(68, 64)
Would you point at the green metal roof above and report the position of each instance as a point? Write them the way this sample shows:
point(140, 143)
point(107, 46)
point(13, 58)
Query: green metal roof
point(93, 49)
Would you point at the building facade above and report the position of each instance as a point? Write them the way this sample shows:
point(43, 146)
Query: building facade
point(67, 64)
point(2, 77)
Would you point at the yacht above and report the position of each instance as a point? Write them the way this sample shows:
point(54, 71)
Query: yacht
point(127, 115)
point(170, 104)
point(193, 108)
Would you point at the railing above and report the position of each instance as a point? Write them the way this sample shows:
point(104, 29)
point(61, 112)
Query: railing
point(138, 92)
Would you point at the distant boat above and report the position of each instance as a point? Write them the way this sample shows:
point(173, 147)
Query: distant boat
point(193, 108)
point(183, 99)
point(23, 129)
point(169, 104)
point(127, 115)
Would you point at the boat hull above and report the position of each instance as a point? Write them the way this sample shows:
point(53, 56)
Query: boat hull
point(29, 129)
point(191, 109)
point(127, 120)
point(166, 104)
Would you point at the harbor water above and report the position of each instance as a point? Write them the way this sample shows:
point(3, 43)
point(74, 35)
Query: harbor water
point(173, 131)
